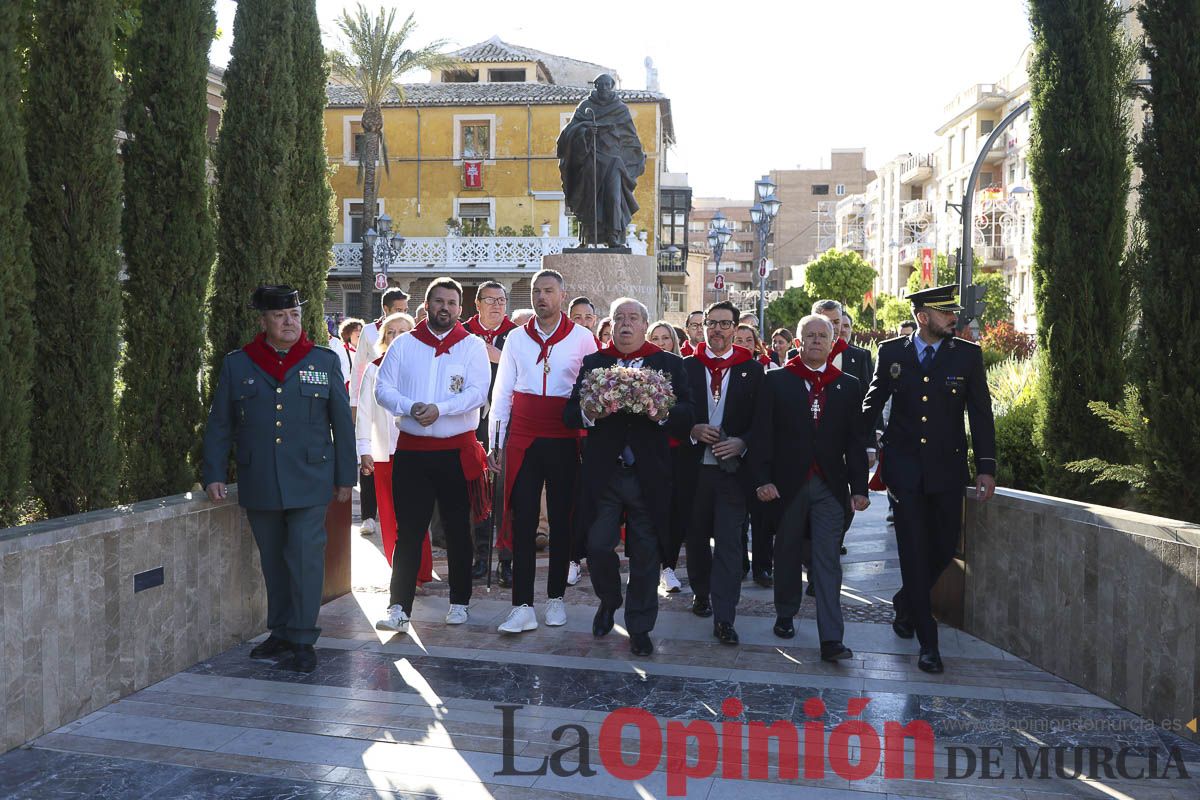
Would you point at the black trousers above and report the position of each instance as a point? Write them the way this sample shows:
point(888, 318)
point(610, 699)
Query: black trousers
point(368, 506)
point(927, 531)
point(717, 514)
point(554, 464)
point(622, 499)
point(680, 512)
point(420, 478)
point(762, 543)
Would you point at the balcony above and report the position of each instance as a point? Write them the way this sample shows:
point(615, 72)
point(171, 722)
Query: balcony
point(672, 263)
point(917, 168)
point(438, 255)
point(915, 210)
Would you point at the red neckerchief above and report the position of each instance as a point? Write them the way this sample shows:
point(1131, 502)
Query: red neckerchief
point(268, 359)
point(422, 334)
point(765, 360)
point(839, 347)
point(475, 327)
point(379, 323)
point(819, 381)
point(565, 326)
point(647, 349)
point(717, 366)
point(378, 362)
point(686, 349)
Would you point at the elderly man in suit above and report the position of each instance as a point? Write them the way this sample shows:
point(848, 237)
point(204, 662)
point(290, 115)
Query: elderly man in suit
point(625, 476)
point(282, 401)
point(807, 454)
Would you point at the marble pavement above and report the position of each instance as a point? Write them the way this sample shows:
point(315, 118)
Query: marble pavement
point(415, 716)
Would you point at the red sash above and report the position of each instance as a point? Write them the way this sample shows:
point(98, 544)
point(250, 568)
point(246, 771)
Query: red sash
point(647, 349)
point(440, 347)
point(269, 361)
point(472, 458)
point(475, 327)
point(565, 326)
point(533, 417)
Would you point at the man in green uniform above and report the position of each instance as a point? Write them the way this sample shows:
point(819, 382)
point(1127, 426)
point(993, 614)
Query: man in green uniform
point(282, 402)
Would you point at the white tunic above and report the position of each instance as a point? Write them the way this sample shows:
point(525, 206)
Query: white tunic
point(456, 382)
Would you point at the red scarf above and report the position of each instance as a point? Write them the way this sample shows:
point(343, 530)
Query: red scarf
point(717, 366)
point(819, 381)
point(268, 359)
point(686, 349)
point(565, 326)
point(765, 360)
point(647, 349)
point(440, 348)
point(839, 347)
point(475, 327)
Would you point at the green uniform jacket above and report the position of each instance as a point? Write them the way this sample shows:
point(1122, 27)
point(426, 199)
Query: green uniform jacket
point(294, 440)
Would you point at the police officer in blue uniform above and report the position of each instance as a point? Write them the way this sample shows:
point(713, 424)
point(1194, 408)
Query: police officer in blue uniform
point(931, 378)
point(282, 402)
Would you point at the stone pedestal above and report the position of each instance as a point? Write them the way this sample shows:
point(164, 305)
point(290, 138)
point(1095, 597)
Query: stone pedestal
point(603, 277)
point(337, 550)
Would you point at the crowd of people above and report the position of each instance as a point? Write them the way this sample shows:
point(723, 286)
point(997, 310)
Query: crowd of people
point(480, 429)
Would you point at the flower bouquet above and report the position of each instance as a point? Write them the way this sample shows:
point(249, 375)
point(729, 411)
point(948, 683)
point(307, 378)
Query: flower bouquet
point(638, 391)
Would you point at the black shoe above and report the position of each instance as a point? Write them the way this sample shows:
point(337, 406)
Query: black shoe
point(784, 628)
point(764, 579)
point(843, 550)
point(505, 579)
point(304, 659)
point(271, 649)
point(902, 627)
point(602, 623)
point(725, 633)
point(930, 661)
point(809, 591)
point(891, 517)
point(701, 607)
point(479, 570)
point(835, 651)
point(640, 644)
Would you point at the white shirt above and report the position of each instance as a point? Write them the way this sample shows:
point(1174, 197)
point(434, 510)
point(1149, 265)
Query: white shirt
point(364, 355)
point(375, 428)
point(456, 382)
point(716, 410)
point(343, 353)
point(518, 371)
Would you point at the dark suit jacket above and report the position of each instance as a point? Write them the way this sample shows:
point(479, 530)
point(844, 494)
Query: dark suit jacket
point(784, 441)
point(740, 395)
point(608, 437)
point(856, 362)
point(925, 442)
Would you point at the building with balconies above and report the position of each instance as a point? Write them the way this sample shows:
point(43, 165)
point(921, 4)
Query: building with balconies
point(472, 179)
point(738, 258)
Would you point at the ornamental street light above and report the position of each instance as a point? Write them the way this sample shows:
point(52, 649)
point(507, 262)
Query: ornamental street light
point(719, 235)
point(385, 245)
point(762, 214)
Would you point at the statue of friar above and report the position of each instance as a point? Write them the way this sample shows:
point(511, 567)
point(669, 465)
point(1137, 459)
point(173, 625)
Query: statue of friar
point(600, 158)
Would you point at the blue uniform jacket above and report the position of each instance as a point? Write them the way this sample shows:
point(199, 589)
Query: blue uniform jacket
point(294, 440)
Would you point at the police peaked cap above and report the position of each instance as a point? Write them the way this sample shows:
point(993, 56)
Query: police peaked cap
point(939, 298)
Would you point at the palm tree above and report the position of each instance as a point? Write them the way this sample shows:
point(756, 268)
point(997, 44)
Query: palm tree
point(375, 57)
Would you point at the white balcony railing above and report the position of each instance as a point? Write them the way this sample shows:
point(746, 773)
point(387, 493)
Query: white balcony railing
point(916, 209)
point(442, 254)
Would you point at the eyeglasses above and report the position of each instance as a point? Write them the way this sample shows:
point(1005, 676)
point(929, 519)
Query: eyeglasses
point(494, 301)
point(723, 324)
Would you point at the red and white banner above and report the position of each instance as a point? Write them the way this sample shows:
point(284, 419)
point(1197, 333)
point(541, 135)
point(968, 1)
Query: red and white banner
point(926, 267)
point(473, 174)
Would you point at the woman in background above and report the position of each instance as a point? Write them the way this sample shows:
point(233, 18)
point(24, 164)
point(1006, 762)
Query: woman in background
point(747, 336)
point(781, 342)
point(662, 333)
point(604, 331)
point(346, 345)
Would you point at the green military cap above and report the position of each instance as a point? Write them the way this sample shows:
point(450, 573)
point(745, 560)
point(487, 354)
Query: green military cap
point(275, 298)
point(939, 298)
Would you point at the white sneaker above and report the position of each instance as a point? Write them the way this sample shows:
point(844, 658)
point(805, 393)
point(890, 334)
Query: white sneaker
point(369, 526)
point(573, 573)
point(396, 620)
point(457, 614)
point(668, 581)
point(556, 612)
point(520, 619)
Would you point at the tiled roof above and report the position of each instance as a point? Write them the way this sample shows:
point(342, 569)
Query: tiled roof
point(475, 94)
point(563, 70)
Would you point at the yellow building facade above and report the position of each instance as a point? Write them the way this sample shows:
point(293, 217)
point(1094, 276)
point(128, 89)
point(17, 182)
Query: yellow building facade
point(500, 114)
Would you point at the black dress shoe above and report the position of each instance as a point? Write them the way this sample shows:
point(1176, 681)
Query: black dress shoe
point(902, 627)
point(891, 517)
point(602, 623)
point(640, 644)
point(843, 550)
point(784, 628)
point(725, 633)
point(701, 607)
point(930, 661)
point(505, 579)
point(809, 591)
point(835, 651)
point(479, 570)
point(764, 579)
point(304, 659)
point(272, 648)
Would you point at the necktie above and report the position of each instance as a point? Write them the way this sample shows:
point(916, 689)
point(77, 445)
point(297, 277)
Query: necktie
point(627, 452)
point(718, 374)
point(927, 357)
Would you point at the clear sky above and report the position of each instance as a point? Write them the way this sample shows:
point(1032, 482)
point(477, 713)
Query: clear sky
point(768, 85)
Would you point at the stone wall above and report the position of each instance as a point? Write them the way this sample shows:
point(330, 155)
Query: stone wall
point(603, 277)
point(74, 633)
point(1107, 599)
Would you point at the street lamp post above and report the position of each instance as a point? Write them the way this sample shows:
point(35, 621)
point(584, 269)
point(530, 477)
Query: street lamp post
point(718, 236)
point(385, 246)
point(762, 214)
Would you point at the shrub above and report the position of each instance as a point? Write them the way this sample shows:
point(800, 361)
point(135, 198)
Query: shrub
point(1013, 386)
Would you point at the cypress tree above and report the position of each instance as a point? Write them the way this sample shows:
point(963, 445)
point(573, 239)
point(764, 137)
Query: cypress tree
point(74, 213)
point(1079, 166)
point(253, 159)
point(168, 243)
point(1169, 155)
point(16, 277)
point(310, 251)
